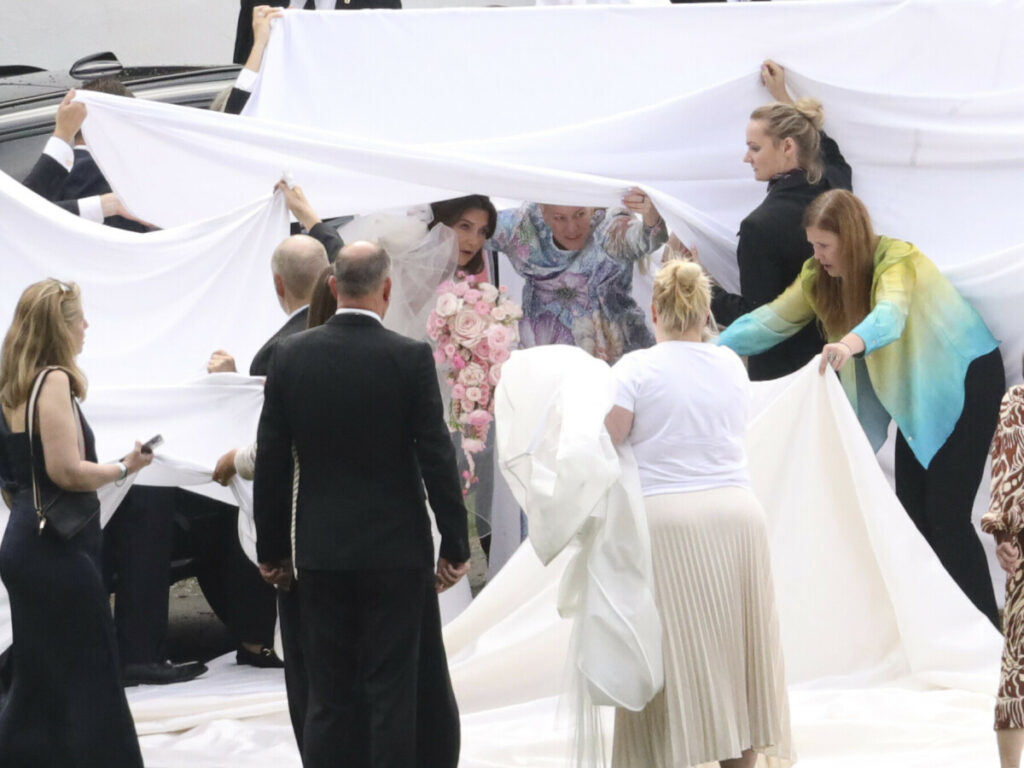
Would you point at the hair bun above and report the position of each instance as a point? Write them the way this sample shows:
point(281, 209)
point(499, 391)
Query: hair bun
point(812, 110)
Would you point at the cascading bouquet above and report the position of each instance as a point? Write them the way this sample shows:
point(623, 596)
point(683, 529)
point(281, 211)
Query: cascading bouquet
point(476, 328)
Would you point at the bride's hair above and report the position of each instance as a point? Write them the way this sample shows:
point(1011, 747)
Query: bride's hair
point(682, 296)
point(448, 212)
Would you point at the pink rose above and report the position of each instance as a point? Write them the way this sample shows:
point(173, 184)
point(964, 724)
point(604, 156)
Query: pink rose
point(486, 392)
point(482, 308)
point(499, 337)
point(469, 326)
point(479, 418)
point(503, 289)
point(458, 362)
point(469, 445)
point(474, 394)
point(473, 375)
point(494, 375)
point(467, 406)
point(447, 304)
point(458, 391)
point(439, 357)
point(471, 296)
point(482, 350)
point(449, 350)
point(499, 355)
point(459, 289)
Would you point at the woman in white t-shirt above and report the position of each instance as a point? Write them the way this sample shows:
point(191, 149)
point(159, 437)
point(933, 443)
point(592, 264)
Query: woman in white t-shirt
point(684, 406)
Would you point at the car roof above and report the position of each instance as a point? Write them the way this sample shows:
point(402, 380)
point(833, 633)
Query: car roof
point(32, 89)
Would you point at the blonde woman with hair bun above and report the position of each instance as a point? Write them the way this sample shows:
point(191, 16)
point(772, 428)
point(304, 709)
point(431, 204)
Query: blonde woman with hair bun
point(66, 705)
point(787, 148)
point(684, 406)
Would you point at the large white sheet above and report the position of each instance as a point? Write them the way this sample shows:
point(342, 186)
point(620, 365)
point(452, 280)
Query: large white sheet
point(932, 120)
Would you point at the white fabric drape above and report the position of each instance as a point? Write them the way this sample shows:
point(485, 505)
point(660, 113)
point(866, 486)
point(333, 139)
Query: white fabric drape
point(936, 140)
point(576, 487)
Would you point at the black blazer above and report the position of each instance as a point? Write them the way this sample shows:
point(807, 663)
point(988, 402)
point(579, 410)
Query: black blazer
point(771, 251)
point(362, 407)
point(260, 364)
point(64, 188)
point(243, 32)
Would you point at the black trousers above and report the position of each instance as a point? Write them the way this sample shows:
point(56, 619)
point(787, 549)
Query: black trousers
point(438, 730)
point(296, 680)
point(361, 638)
point(137, 545)
point(230, 582)
point(940, 499)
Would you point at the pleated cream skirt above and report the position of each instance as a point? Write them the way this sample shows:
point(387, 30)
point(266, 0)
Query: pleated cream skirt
point(725, 688)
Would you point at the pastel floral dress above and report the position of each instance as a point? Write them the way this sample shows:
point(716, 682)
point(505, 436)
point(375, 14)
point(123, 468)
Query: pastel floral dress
point(1005, 520)
point(584, 297)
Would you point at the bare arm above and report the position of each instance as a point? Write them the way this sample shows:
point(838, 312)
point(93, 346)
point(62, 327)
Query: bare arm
point(59, 434)
point(618, 422)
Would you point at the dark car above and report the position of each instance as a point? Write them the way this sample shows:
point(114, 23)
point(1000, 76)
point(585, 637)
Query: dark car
point(29, 98)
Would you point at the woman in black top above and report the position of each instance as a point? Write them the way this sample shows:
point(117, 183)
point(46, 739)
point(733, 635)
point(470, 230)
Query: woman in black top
point(787, 148)
point(66, 706)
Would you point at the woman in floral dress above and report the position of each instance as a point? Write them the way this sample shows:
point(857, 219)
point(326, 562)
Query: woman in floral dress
point(1005, 521)
point(578, 266)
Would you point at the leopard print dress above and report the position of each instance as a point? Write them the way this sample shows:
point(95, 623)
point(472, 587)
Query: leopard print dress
point(1005, 520)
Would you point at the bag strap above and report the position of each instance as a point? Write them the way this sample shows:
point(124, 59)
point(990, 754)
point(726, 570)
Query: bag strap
point(32, 417)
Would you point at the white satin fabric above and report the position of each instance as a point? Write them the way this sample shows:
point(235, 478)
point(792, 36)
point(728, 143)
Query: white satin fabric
point(576, 487)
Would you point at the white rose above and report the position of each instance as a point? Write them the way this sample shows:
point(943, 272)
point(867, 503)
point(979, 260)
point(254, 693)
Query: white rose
point(447, 304)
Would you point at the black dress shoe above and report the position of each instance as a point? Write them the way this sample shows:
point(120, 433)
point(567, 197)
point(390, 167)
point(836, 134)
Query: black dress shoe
point(265, 659)
point(161, 673)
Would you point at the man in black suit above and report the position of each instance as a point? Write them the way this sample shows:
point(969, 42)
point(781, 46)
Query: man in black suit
point(243, 33)
point(361, 409)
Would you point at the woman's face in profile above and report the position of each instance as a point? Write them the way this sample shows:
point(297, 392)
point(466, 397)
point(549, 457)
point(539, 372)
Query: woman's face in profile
point(767, 156)
point(471, 228)
point(77, 327)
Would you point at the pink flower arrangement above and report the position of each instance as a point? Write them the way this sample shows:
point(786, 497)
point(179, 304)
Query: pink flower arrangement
point(476, 327)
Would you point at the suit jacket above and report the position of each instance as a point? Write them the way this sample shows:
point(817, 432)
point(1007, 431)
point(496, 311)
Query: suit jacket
point(260, 364)
point(243, 32)
point(361, 405)
point(771, 251)
point(64, 188)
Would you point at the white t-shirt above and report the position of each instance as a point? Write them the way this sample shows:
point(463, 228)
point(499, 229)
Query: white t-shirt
point(691, 406)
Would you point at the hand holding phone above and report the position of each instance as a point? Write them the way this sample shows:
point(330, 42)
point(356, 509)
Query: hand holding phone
point(153, 442)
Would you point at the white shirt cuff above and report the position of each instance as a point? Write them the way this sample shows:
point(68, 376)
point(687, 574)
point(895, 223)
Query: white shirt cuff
point(91, 208)
point(60, 151)
point(246, 79)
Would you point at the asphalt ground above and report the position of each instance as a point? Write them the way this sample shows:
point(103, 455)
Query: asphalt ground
point(195, 633)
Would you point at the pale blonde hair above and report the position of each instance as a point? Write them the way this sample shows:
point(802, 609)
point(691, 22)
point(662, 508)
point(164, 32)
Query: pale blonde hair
point(681, 296)
point(40, 335)
point(800, 122)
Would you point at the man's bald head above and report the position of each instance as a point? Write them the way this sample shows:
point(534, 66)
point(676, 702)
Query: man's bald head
point(298, 261)
point(361, 269)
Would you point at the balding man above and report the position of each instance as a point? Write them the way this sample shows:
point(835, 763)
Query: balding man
point(296, 264)
point(361, 408)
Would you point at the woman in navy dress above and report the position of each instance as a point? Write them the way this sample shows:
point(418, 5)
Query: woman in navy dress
point(66, 706)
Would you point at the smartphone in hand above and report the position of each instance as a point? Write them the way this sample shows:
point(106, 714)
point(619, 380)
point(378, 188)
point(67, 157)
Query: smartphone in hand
point(153, 442)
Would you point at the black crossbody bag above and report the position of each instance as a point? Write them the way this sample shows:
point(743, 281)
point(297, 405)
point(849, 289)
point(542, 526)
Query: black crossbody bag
point(65, 512)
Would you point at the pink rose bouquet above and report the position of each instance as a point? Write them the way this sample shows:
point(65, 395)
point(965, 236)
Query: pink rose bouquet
point(475, 328)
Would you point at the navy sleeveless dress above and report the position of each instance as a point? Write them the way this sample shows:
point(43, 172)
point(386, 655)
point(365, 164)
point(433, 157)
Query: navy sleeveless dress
point(66, 706)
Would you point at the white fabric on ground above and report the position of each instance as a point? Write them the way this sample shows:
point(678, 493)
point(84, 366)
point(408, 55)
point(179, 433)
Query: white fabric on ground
point(888, 663)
